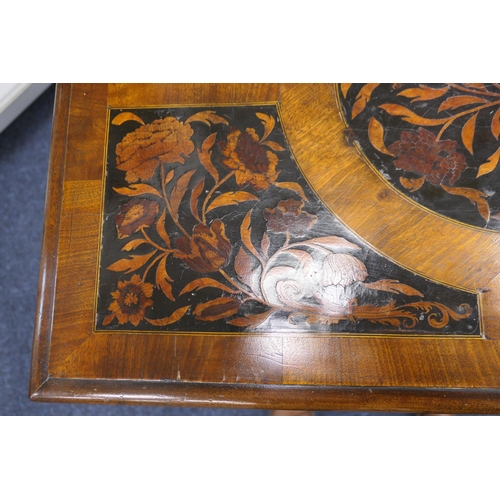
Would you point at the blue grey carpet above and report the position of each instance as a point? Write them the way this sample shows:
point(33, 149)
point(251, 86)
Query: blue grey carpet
point(24, 156)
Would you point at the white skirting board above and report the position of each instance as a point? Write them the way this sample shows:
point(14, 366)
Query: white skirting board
point(15, 98)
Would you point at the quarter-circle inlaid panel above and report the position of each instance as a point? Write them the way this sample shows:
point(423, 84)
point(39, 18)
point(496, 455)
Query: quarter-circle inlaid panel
point(210, 227)
point(417, 238)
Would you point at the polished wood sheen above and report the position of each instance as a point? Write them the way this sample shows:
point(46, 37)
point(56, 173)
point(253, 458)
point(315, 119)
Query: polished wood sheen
point(378, 356)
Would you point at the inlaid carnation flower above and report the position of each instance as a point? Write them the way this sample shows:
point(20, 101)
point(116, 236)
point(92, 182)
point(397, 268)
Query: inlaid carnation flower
point(141, 151)
point(253, 162)
point(437, 161)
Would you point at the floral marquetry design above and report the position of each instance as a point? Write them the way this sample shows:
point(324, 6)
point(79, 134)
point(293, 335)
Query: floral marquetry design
point(209, 227)
point(438, 143)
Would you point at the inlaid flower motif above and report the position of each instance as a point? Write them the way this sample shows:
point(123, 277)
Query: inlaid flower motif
point(437, 161)
point(133, 216)
point(342, 269)
point(253, 162)
point(208, 250)
point(288, 216)
point(141, 151)
point(132, 298)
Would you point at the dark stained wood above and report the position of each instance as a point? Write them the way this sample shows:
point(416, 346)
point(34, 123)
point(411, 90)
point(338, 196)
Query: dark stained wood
point(73, 363)
point(48, 260)
point(406, 400)
point(86, 132)
point(392, 362)
point(244, 360)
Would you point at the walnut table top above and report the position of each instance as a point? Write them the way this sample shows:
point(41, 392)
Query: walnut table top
point(304, 246)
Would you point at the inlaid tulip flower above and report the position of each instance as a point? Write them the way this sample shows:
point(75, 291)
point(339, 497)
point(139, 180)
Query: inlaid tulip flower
point(208, 250)
point(133, 216)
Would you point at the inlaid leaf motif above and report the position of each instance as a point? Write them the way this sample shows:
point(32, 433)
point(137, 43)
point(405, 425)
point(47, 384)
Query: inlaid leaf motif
point(242, 322)
point(160, 228)
point(205, 156)
point(393, 286)
point(163, 280)
point(412, 184)
point(108, 319)
point(168, 320)
point(200, 283)
point(344, 88)
point(169, 176)
point(213, 310)
point(410, 116)
point(243, 266)
point(194, 198)
point(268, 122)
point(273, 145)
point(468, 132)
point(305, 259)
point(131, 264)
point(246, 271)
point(424, 93)
point(479, 86)
point(376, 136)
point(495, 124)
point(131, 245)
point(476, 197)
point(179, 191)
point(207, 117)
point(292, 186)
point(246, 235)
point(126, 117)
point(231, 198)
point(252, 320)
point(136, 189)
point(334, 243)
point(282, 272)
point(265, 245)
point(362, 98)
point(490, 164)
point(459, 101)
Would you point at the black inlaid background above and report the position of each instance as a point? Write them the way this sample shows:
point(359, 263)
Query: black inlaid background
point(232, 216)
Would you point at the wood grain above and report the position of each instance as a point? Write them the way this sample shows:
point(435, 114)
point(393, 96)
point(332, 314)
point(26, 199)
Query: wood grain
point(86, 132)
point(396, 362)
point(243, 360)
point(125, 95)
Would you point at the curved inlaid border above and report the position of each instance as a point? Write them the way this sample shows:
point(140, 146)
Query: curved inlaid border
point(404, 232)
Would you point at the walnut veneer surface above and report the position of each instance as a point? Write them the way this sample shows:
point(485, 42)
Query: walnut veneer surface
point(237, 245)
